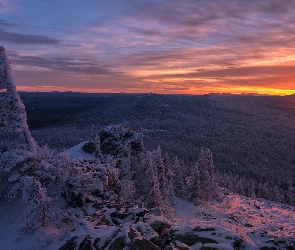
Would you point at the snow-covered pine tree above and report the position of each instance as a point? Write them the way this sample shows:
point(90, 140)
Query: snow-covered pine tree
point(290, 195)
point(13, 118)
point(127, 186)
point(193, 185)
point(208, 186)
point(165, 185)
point(179, 178)
point(169, 177)
point(113, 182)
point(161, 172)
point(147, 183)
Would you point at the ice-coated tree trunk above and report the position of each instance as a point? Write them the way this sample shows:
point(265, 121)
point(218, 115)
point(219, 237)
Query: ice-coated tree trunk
point(13, 117)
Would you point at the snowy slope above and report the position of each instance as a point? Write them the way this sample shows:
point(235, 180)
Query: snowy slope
point(257, 222)
point(76, 152)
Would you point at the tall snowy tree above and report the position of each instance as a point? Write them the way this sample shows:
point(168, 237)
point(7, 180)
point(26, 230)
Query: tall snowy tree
point(169, 178)
point(127, 186)
point(179, 178)
point(147, 183)
point(193, 185)
point(165, 184)
point(13, 118)
point(208, 186)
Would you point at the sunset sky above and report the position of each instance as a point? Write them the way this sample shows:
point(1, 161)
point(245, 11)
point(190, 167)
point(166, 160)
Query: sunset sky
point(163, 46)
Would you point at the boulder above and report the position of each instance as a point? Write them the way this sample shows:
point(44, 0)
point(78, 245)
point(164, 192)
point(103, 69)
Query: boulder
point(158, 242)
point(86, 244)
point(118, 243)
point(143, 244)
point(161, 227)
point(89, 147)
point(70, 245)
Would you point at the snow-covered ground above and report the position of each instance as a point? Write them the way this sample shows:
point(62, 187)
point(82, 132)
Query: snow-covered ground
point(257, 222)
point(76, 152)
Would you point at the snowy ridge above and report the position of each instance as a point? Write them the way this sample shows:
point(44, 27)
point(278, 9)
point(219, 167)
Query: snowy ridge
point(233, 222)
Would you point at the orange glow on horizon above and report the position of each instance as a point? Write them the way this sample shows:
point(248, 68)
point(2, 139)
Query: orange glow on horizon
point(190, 91)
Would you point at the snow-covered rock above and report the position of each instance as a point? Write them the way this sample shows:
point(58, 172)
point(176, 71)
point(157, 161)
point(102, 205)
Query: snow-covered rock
point(119, 141)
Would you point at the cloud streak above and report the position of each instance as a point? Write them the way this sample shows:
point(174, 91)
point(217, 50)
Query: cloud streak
point(19, 38)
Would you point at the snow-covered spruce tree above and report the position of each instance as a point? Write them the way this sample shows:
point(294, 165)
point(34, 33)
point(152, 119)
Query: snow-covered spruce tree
point(169, 189)
point(179, 179)
point(127, 186)
point(17, 147)
point(147, 183)
point(22, 169)
point(208, 188)
point(13, 119)
point(165, 185)
point(193, 185)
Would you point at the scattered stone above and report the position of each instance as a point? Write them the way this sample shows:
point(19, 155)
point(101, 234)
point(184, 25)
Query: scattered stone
point(89, 147)
point(208, 229)
point(118, 243)
point(132, 234)
point(193, 239)
point(74, 199)
point(119, 215)
point(161, 227)
point(143, 244)
point(158, 242)
point(102, 220)
point(86, 244)
point(70, 245)
point(237, 244)
point(208, 248)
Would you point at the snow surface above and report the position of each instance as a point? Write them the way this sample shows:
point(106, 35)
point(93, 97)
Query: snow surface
point(257, 222)
point(76, 152)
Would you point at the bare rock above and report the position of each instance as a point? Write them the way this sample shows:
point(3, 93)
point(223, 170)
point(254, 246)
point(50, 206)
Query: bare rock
point(86, 244)
point(143, 244)
point(161, 227)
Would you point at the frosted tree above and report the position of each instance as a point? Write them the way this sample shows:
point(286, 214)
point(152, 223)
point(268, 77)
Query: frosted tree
point(208, 186)
point(147, 183)
point(127, 186)
point(163, 172)
point(290, 195)
point(169, 189)
point(179, 178)
point(112, 180)
point(160, 171)
point(13, 119)
point(193, 185)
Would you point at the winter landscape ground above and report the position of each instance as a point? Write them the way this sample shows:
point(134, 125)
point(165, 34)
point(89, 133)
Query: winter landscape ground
point(85, 181)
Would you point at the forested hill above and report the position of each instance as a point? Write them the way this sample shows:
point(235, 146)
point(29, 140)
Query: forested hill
point(251, 137)
point(48, 108)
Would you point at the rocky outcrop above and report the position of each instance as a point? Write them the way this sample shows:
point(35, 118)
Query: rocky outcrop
point(118, 141)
